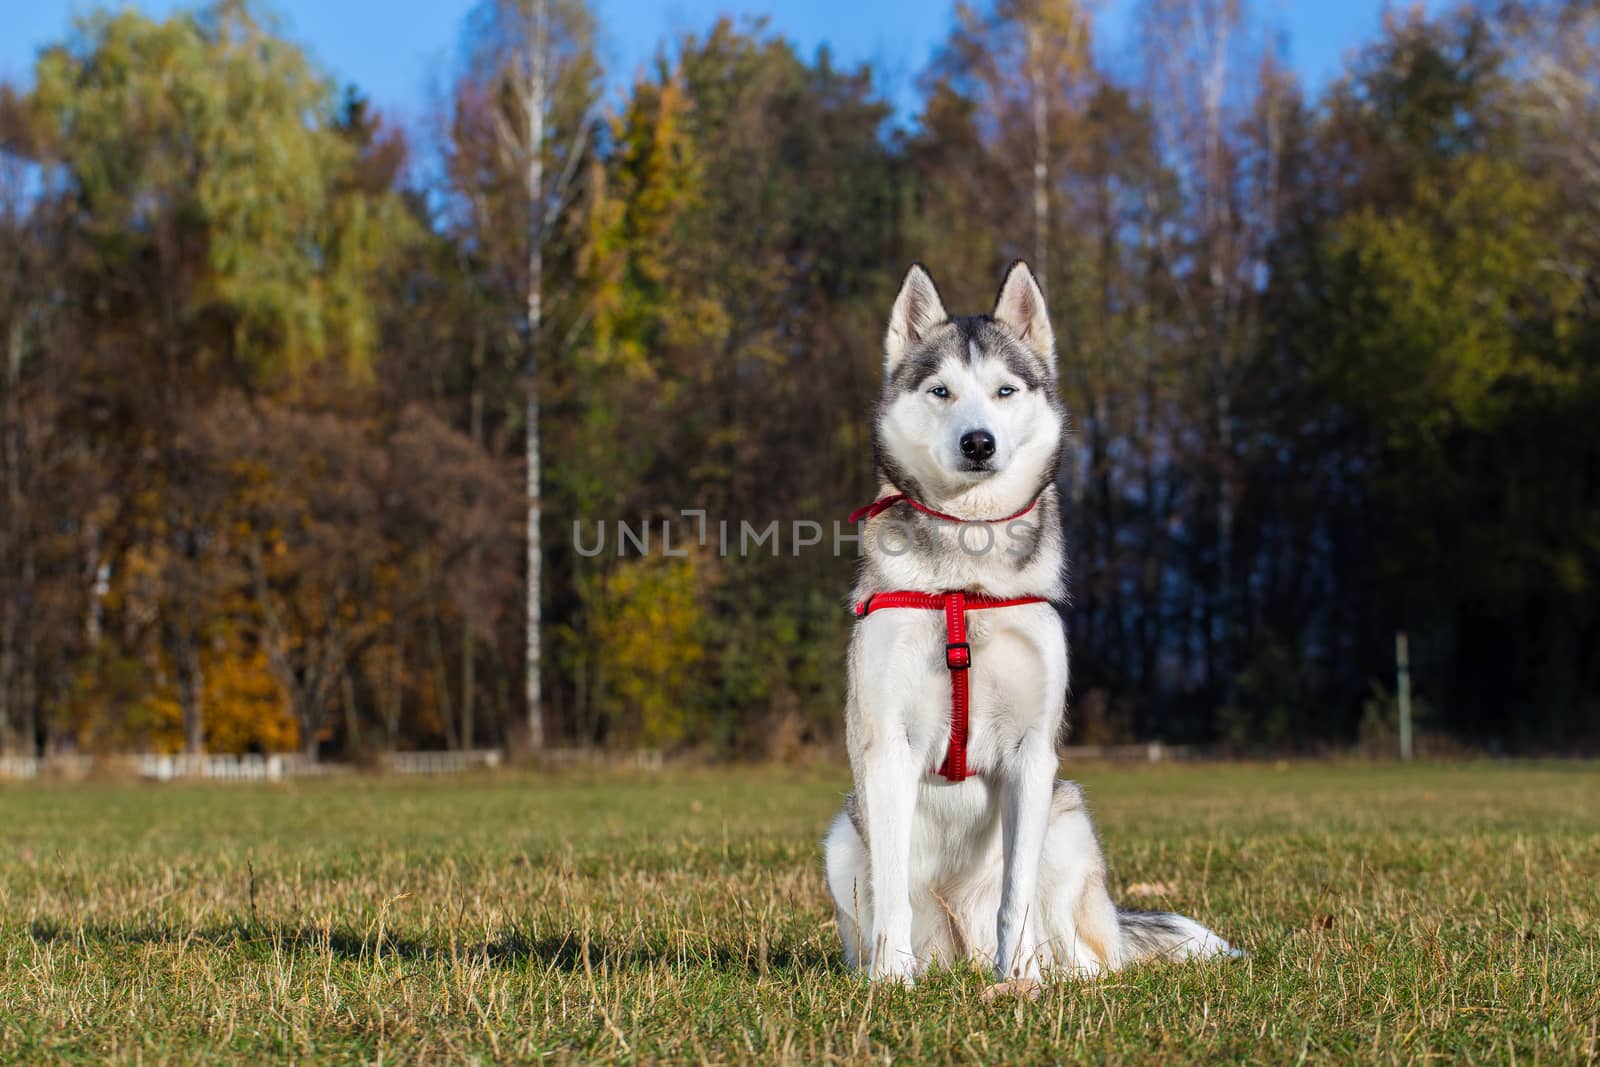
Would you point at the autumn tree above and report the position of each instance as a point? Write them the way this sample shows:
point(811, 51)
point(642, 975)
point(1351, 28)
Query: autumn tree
point(216, 240)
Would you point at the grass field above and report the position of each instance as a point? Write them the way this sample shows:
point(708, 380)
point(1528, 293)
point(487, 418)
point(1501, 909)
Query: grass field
point(1446, 914)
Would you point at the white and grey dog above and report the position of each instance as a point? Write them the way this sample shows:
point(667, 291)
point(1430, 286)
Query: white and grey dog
point(1002, 866)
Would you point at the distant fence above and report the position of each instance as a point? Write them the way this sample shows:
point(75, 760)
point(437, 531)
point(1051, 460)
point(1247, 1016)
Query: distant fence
point(164, 767)
point(19, 767)
point(25, 767)
point(443, 762)
point(251, 768)
point(644, 759)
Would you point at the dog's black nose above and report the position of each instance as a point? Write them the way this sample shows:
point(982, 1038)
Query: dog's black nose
point(978, 444)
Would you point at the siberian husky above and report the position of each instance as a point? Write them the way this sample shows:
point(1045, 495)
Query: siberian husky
point(949, 851)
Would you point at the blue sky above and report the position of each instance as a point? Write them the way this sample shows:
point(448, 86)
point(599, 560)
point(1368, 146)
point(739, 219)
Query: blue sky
point(397, 49)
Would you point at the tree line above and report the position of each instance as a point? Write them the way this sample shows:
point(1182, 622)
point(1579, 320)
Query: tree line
point(298, 406)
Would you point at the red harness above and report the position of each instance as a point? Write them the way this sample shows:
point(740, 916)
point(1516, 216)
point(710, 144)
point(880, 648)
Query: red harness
point(872, 510)
point(955, 604)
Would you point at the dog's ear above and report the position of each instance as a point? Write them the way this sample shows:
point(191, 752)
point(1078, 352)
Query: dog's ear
point(917, 310)
point(1020, 308)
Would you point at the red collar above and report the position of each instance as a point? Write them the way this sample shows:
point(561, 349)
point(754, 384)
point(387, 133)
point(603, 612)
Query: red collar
point(873, 509)
point(957, 653)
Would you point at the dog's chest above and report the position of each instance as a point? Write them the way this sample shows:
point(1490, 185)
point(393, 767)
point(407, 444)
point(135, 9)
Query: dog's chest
point(1016, 682)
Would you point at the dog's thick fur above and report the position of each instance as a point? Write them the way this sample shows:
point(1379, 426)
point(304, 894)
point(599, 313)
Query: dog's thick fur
point(1003, 867)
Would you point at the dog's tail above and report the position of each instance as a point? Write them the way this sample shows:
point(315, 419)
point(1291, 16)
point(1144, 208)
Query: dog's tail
point(1150, 935)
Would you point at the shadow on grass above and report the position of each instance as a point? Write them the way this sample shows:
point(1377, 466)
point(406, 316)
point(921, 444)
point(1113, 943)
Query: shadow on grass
point(570, 952)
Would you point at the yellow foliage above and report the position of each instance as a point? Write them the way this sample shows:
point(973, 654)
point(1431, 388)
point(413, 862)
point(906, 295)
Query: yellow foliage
point(243, 705)
point(647, 635)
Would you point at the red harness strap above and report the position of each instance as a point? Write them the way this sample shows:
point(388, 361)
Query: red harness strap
point(872, 510)
point(957, 654)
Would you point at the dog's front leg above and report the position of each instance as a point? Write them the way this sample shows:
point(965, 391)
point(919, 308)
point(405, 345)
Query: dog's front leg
point(887, 783)
point(1025, 816)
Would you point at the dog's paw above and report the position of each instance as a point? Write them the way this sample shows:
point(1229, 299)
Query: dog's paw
point(1027, 965)
point(1022, 988)
point(894, 968)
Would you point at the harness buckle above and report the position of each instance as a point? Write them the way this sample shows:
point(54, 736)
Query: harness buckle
point(957, 655)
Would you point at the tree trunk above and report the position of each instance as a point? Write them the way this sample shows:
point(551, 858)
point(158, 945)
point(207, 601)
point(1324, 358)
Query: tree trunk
point(8, 666)
point(502, 701)
point(1041, 156)
point(441, 682)
point(469, 651)
point(310, 722)
point(191, 691)
point(1225, 607)
point(469, 684)
point(352, 719)
point(27, 689)
point(95, 572)
point(441, 675)
point(394, 701)
point(313, 696)
point(11, 548)
point(535, 94)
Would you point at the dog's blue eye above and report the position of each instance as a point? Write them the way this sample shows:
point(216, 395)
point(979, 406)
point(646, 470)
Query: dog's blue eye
point(939, 391)
point(1006, 390)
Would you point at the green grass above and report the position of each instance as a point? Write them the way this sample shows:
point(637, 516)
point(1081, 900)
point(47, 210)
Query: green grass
point(1446, 914)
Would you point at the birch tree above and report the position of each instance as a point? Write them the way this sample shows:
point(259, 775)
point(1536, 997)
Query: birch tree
point(531, 65)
